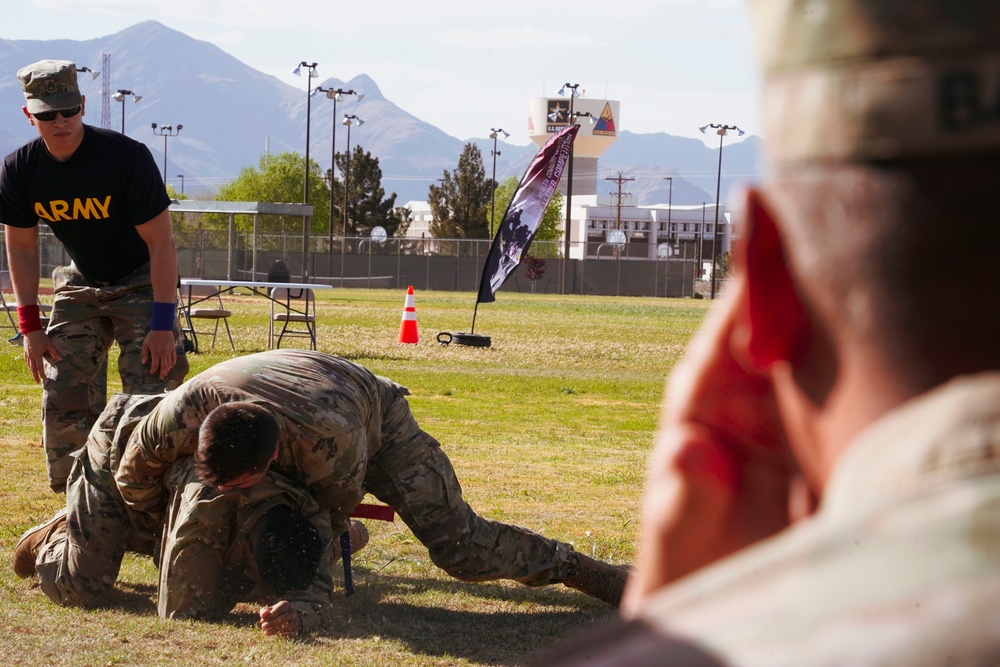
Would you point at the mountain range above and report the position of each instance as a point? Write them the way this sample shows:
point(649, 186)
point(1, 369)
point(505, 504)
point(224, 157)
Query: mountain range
point(232, 114)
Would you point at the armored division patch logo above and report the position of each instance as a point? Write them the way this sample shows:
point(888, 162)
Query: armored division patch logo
point(605, 125)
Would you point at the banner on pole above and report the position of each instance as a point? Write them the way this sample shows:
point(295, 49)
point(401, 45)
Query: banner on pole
point(523, 215)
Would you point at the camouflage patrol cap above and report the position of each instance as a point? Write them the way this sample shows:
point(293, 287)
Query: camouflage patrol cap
point(49, 85)
point(878, 79)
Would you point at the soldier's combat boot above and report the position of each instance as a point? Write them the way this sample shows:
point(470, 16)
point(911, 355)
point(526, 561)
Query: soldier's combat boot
point(600, 580)
point(359, 538)
point(32, 541)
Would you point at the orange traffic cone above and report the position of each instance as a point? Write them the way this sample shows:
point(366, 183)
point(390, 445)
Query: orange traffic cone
point(408, 326)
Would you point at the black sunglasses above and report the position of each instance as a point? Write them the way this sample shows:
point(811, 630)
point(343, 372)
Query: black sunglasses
point(51, 115)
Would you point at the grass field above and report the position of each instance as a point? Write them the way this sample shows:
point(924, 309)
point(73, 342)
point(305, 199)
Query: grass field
point(549, 428)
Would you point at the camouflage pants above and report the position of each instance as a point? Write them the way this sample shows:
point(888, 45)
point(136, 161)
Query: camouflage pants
point(86, 319)
point(411, 473)
point(79, 563)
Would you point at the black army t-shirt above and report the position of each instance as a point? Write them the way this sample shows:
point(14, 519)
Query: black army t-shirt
point(92, 202)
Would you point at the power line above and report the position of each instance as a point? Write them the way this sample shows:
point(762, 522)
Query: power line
point(618, 196)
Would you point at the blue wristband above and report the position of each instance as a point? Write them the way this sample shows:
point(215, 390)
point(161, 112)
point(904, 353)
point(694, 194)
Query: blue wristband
point(162, 318)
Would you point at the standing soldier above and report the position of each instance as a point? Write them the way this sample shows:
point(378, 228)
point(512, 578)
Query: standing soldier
point(103, 198)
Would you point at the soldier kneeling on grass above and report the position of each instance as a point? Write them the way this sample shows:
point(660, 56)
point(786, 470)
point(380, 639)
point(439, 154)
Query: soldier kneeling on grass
point(340, 431)
point(270, 544)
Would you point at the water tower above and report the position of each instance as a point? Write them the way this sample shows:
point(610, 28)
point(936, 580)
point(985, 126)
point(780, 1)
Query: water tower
point(547, 116)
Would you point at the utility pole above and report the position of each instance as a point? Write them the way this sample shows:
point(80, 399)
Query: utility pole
point(620, 180)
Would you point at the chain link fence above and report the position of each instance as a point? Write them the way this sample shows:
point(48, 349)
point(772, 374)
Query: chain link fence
point(428, 263)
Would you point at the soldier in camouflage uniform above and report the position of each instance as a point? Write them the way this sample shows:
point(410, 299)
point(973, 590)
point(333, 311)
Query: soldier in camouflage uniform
point(851, 375)
point(210, 558)
point(102, 196)
point(204, 552)
point(77, 553)
point(344, 431)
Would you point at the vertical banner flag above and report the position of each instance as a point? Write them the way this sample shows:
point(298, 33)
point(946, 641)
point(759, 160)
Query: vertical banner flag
point(520, 221)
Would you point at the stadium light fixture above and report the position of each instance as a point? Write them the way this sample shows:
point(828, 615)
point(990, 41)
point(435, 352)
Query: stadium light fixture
point(312, 75)
point(722, 131)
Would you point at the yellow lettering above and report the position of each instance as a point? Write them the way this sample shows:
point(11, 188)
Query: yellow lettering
point(84, 209)
point(105, 207)
point(41, 212)
point(59, 208)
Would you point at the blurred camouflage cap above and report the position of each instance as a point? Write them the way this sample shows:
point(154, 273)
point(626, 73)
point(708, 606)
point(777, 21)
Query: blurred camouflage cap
point(49, 85)
point(878, 79)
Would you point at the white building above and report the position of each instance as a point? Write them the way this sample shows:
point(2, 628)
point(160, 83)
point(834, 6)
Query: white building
point(420, 220)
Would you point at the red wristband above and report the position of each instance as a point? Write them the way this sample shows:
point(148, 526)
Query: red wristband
point(29, 318)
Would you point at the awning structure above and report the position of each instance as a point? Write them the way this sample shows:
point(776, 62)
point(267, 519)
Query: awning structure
point(256, 209)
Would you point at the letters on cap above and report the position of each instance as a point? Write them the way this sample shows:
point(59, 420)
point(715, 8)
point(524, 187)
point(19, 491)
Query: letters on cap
point(878, 79)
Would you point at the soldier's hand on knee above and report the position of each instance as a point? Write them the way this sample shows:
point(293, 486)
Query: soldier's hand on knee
point(37, 345)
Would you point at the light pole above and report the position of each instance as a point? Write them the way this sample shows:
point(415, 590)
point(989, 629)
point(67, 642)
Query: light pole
point(119, 96)
point(312, 75)
point(181, 176)
point(671, 237)
point(166, 131)
point(349, 120)
point(335, 94)
point(92, 73)
point(573, 93)
point(493, 195)
point(701, 239)
point(573, 115)
point(670, 204)
point(722, 131)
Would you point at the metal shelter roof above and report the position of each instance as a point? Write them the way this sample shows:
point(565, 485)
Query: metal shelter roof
point(256, 209)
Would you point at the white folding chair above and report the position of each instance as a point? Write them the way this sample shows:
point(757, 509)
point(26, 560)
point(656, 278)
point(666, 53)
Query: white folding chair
point(204, 302)
point(294, 310)
point(10, 307)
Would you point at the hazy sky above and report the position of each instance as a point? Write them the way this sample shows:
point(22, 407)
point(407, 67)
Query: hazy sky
point(462, 65)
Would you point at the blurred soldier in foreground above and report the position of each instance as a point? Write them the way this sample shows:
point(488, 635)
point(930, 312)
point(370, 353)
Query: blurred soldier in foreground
point(850, 375)
point(270, 543)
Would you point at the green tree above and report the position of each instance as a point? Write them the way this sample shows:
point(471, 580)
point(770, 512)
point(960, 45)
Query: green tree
point(184, 229)
point(277, 179)
point(723, 263)
point(460, 204)
point(369, 207)
point(173, 194)
point(405, 216)
point(549, 226)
